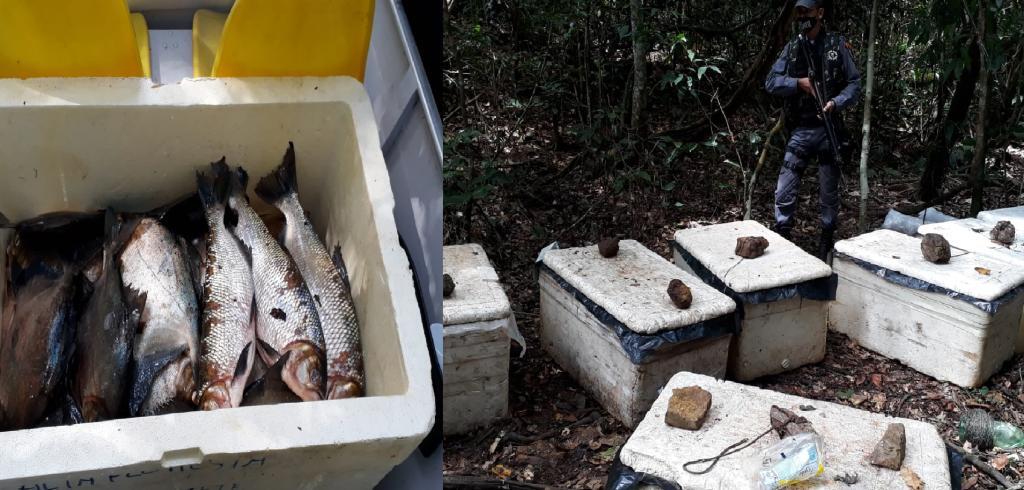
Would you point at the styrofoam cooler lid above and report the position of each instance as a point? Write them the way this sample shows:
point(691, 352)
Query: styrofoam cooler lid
point(478, 295)
point(632, 287)
point(901, 253)
point(782, 264)
point(972, 235)
point(740, 412)
point(1013, 215)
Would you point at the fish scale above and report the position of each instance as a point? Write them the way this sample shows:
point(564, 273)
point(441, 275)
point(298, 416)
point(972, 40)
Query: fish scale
point(285, 311)
point(345, 375)
point(333, 297)
point(227, 303)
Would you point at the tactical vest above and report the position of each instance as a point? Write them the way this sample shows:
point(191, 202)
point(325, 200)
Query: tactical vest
point(800, 109)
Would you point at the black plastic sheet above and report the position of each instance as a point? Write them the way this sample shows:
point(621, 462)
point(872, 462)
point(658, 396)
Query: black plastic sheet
point(622, 477)
point(823, 289)
point(990, 307)
point(641, 347)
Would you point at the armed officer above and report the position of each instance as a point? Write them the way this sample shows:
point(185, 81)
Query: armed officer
point(830, 57)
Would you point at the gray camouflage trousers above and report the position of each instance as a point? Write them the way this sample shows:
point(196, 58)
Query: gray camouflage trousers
point(804, 145)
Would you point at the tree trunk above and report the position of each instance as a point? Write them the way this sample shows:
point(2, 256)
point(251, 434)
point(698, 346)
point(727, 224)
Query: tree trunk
point(978, 164)
point(639, 64)
point(948, 133)
point(865, 145)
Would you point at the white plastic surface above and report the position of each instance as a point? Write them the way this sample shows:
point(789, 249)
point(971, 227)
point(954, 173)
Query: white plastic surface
point(1013, 215)
point(901, 253)
point(89, 143)
point(741, 412)
point(478, 295)
point(633, 285)
point(782, 264)
point(972, 235)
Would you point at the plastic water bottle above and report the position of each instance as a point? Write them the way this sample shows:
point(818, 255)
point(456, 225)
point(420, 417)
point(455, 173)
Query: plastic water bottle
point(978, 427)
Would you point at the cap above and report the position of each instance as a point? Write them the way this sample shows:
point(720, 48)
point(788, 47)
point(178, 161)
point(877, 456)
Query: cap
point(807, 3)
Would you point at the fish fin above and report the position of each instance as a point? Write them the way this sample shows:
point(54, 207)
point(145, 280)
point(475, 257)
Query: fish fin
point(268, 351)
point(72, 410)
point(213, 187)
point(271, 381)
point(184, 217)
point(282, 181)
point(4, 222)
point(143, 374)
point(117, 232)
point(239, 181)
point(339, 262)
point(242, 367)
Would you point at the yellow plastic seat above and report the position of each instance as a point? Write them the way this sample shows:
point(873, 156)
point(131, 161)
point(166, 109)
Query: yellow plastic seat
point(142, 41)
point(68, 38)
point(293, 38)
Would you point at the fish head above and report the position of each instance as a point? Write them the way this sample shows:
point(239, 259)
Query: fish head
point(217, 395)
point(339, 387)
point(303, 372)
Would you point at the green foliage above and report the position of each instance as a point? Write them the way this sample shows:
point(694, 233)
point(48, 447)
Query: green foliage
point(467, 177)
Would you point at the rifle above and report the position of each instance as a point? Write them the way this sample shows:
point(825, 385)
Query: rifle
point(818, 83)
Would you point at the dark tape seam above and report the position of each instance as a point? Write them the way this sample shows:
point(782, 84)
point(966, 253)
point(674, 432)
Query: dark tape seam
point(898, 278)
point(641, 347)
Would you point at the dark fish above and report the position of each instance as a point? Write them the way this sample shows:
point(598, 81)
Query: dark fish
point(166, 353)
point(345, 377)
point(226, 350)
point(37, 331)
point(106, 334)
point(286, 316)
point(270, 388)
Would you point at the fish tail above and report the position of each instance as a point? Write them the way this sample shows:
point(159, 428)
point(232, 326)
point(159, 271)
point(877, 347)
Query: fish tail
point(4, 222)
point(282, 181)
point(213, 186)
point(117, 232)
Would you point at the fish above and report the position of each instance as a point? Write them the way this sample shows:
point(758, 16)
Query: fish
point(106, 333)
point(226, 344)
point(41, 305)
point(331, 291)
point(166, 352)
point(270, 388)
point(286, 316)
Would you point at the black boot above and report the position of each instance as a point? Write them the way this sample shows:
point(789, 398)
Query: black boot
point(825, 245)
point(784, 232)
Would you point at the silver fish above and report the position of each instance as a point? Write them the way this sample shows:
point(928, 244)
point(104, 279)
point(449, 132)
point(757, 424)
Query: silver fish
point(286, 318)
point(166, 353)
point(345, 377)
point(226, 349)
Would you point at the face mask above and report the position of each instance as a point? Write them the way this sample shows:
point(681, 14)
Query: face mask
point(805, 24)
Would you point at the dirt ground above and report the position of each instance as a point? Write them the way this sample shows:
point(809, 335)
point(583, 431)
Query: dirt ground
point(556, 433)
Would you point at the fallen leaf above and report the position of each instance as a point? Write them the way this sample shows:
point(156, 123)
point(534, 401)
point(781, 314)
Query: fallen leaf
point(528, 473)
point(859, 398)
point(879, 400)
point(999, 462)
point(876, 379)
point(912, 480)
point(983, 271)
point(500, 471)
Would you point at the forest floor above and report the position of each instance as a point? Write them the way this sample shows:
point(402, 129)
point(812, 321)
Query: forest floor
point(552, 196)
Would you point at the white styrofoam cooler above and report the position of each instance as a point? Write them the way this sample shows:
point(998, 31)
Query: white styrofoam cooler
point(1013, 215)
point(773, 336)
point(960, 329)
point(478, 325)
point(584, 296)
point(741, 412)
point(972, 235)
point(89, 143)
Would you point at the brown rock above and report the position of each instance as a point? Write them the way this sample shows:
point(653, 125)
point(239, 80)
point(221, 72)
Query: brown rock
point(786, 423)
point(889, 451)
point(935, 248)
point(680, 294)
point(751, 247)
point(609, 247)
point(688, 408)
point(1003, 232)
point(449, 286)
